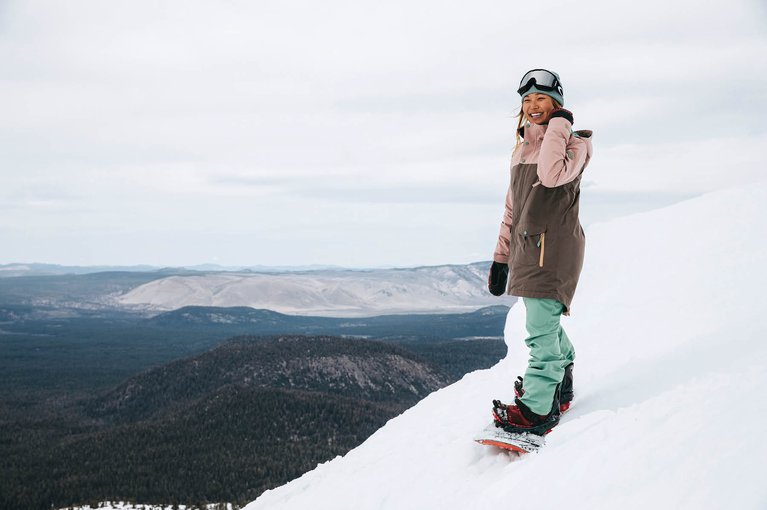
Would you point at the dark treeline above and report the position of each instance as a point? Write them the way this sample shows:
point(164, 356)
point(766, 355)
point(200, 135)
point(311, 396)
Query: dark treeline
point(223, 426)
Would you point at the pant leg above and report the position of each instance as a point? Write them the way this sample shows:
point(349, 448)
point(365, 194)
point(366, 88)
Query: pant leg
point(565, 347)
point(546, 366)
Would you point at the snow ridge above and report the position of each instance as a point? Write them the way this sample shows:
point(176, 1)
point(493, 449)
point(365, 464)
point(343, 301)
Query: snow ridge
point(669, 410)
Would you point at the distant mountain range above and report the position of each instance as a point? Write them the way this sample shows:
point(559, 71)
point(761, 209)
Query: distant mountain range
point(37, 269)
point(336, 293)
point(326, 292)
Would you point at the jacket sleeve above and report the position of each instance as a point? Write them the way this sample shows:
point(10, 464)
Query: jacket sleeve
point(562, 155)
point(501, 253)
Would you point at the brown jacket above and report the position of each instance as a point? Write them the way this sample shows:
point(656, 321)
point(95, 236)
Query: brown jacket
point(541, 236)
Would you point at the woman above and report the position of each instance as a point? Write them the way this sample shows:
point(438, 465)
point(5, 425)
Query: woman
point(540, 248)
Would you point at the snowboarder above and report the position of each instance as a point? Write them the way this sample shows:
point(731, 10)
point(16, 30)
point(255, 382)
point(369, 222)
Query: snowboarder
point(540, 249)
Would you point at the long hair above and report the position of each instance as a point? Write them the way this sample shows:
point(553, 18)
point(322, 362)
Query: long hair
point(522, 119)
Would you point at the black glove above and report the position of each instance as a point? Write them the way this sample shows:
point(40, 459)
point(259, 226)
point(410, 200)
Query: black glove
point(496, 282)
point(565, 114)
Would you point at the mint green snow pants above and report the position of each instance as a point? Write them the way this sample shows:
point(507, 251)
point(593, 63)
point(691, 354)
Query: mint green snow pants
point(550, 352)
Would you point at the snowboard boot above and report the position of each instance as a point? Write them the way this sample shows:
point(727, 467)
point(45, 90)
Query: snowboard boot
point(517, 417)
point(566, 389)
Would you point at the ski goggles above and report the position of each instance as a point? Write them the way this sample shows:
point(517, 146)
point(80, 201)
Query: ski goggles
point(542, 80)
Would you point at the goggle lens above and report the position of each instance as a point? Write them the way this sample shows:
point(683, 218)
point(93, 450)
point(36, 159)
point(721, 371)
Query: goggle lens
point(541, 78)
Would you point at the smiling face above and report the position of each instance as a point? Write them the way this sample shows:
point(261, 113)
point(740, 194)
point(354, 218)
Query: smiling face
point(537, 108)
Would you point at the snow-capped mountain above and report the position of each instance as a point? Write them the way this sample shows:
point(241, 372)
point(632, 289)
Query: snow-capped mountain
point(670, 374)
point(340, 293)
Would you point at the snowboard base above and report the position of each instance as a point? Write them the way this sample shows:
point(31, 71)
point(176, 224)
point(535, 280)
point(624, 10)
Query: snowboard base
point(522, 442)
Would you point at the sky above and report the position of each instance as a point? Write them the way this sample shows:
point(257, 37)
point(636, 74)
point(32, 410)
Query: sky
point(359, 134)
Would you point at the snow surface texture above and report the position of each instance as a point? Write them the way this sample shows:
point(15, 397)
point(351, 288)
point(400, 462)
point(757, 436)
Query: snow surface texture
point(669, 410)
point(340, 293)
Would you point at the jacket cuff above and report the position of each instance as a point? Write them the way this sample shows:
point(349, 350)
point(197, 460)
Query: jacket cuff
point(563, 114)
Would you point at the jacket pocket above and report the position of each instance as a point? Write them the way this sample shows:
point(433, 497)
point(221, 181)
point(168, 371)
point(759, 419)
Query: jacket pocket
point(534, 243)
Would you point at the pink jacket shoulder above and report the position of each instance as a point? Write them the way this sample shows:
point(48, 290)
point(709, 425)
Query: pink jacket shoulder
point(563, 153)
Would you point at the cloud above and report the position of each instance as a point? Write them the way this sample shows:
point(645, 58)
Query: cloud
point(178, 116)
point(696, 166)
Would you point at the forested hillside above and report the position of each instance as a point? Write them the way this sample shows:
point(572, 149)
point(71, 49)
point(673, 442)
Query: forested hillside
point(224, 425)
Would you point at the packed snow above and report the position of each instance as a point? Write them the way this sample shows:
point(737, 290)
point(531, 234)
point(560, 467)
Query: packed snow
point(670, 408)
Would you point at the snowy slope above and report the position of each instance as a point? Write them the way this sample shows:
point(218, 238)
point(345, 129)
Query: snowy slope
point(670, 408)
point(339, 293)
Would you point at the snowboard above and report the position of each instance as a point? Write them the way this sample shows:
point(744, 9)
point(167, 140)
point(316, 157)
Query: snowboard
point(522, 442)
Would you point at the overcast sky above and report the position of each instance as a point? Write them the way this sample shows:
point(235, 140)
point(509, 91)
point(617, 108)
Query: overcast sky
point(354, 133)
